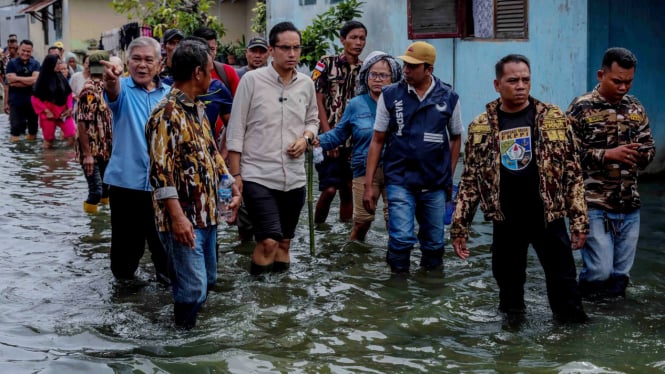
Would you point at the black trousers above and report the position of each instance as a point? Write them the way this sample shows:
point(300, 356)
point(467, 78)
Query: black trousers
point(22, 117)
point(132, 223)
point(552, 244)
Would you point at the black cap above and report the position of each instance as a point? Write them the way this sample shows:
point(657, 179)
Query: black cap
point(172, 33)
point(257, 42)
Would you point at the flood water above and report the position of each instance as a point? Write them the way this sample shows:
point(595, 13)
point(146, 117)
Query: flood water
point(337, 312)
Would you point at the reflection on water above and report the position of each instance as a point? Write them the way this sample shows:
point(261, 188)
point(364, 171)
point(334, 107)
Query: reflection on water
point(340, 311)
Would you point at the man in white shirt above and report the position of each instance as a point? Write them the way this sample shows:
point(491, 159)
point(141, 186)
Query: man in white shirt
point(273, 119)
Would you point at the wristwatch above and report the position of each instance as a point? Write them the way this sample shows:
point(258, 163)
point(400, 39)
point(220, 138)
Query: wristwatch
point(308, 139)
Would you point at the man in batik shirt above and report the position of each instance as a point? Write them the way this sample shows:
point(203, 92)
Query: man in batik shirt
point(614, 137)
point(185, 168)
point(94, 135)
point(335, 81)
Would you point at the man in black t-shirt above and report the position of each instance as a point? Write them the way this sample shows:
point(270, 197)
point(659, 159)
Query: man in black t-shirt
point(521, 166)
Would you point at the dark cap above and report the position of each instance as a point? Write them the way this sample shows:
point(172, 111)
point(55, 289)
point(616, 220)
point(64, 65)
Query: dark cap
point(94, 63)
point(257, 42)
point(172, 33)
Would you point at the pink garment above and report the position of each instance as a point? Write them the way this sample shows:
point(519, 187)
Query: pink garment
point(48, 125)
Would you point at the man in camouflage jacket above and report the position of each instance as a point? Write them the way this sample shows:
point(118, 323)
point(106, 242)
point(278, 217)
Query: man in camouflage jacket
point(614, 138)
point(522, 167)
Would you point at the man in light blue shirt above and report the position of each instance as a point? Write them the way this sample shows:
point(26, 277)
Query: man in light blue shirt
point(131, 100)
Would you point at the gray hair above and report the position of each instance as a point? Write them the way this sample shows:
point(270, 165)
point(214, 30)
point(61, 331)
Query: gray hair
point(145, 41)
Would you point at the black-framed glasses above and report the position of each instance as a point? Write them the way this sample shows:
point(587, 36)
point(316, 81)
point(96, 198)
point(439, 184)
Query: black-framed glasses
point(287, 48)
point(379, 76)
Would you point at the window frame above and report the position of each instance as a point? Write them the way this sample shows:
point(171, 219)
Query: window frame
point(459, 18)
point(503, 35)
point(464, 8)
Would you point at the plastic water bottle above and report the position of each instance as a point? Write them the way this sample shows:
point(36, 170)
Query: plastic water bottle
point(224, 195)
point(450, 207)
point(317, 155)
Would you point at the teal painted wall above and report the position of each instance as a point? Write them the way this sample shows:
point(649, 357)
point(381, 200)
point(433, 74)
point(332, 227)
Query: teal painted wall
point(556, 46)
point(638, 26)
point(565, 43)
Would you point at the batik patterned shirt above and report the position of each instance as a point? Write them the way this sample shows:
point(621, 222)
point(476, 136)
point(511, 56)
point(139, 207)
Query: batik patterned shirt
point(335, 78)
point(560, 186)
point(598, 126)
point(95, 114)
point(184, 161)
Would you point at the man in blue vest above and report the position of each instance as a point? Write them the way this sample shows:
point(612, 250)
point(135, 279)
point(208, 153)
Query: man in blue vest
point(419, 120)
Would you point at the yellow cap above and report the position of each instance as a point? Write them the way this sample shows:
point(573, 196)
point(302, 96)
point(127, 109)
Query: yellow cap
point(59, 45)
point(419, 53)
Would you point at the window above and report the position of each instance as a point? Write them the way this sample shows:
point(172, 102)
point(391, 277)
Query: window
point(335, 1)
point(307, 2)
point(510, 19)
point(487, 19)
point(434, 18)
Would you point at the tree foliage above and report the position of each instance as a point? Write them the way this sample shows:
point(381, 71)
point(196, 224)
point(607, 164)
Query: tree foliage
point(186, 15)
point(259, 19)
point(318, 38)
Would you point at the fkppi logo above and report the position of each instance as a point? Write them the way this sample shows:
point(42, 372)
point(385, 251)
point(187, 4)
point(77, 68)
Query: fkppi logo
point(399, 116)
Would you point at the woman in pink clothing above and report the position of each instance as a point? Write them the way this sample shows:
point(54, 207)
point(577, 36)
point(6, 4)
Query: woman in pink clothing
point(52, 101)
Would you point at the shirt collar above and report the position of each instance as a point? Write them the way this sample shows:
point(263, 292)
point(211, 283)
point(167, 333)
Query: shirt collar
point(156, 79)
point(273, 73)
point(412, 89)
point(596, 94)
point(184, 99)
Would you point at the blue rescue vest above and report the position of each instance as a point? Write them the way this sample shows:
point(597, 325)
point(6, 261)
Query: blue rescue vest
point(417, 153)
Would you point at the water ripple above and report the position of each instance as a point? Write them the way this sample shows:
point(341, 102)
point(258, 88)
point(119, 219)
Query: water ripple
point(341, 311)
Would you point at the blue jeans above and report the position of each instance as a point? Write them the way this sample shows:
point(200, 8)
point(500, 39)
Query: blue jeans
point(610, 248)
point(428, 208)
point(192, 272)
point(96, 186)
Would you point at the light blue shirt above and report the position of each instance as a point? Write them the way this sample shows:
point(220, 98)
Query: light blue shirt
point(129, 166)
point(358, 123)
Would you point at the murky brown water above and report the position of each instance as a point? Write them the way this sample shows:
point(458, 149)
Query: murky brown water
point(340, 311)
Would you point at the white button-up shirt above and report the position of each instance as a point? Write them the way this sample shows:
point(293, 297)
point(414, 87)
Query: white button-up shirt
point(266, 118)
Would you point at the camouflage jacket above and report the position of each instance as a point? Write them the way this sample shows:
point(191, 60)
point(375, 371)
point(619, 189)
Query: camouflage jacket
point(184, 162)
point(335, 78)
point(561, 185)
point(95, 116)
point(599, 125)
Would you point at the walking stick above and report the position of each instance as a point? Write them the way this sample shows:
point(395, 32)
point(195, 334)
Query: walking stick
point(310, 198)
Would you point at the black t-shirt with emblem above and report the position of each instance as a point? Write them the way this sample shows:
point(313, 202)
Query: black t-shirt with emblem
point(519, 190)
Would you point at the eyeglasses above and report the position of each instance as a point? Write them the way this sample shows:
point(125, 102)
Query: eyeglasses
point(379, 76)
point(287, 48)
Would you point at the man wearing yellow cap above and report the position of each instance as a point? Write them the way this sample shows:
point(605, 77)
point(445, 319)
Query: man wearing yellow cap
point(419, 120)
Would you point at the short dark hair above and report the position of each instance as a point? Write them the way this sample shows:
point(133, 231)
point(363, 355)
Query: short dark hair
point(197, 39)
point(187, 56)
point(349, 26)
point(206, 33)
point(27, 41)
point(516, 58)
point(280, 28)
point(623, 57)
point(52, 48)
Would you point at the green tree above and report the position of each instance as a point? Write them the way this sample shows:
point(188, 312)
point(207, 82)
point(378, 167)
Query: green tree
point(259, 19)
point(186, 15)
point(319, 37)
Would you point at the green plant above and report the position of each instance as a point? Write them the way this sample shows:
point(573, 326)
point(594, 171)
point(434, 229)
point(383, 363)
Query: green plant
point(318, 38)
point(186, 15)
point(259, 19)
